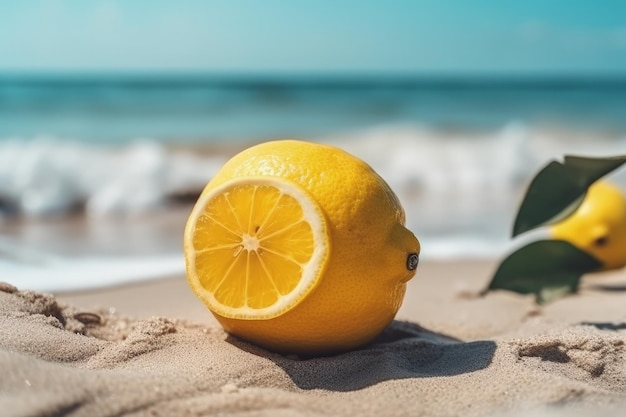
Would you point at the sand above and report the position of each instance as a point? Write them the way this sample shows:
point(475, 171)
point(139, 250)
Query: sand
point(152, 349)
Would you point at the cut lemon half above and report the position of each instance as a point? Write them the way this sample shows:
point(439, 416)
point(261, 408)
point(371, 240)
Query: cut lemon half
point(255, 247)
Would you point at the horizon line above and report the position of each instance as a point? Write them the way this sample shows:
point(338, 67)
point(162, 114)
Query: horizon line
point(318, 79)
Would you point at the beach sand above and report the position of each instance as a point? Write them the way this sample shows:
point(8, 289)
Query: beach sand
point(152, 349)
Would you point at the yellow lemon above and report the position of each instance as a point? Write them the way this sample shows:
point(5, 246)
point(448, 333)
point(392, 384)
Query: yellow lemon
point(300, 248)
point(598, 226)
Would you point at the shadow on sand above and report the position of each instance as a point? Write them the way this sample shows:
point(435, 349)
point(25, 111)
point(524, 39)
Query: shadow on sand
point(601, 325)
point(403, 350)
point(609, 287)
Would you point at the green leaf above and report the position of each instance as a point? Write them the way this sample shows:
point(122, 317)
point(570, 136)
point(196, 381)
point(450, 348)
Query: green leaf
point(559, 188)
point(548, 269)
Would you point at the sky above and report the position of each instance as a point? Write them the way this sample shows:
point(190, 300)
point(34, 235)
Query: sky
point(314, 36)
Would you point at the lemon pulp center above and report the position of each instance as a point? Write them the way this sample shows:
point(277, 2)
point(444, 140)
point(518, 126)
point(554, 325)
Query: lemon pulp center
point(250, 242)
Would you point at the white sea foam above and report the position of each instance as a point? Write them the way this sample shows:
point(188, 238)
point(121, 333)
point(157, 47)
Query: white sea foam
point(460, 190)
point(414, 156)
point(70, 274)
point(45, 176)
point(46, 271)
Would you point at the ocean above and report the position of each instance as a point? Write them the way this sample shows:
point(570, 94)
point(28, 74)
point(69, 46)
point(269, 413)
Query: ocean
point(113, 150)
point(116, 109)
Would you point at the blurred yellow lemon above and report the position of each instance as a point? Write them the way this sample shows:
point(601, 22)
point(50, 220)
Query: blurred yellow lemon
point(598, 226)
point(300, 248)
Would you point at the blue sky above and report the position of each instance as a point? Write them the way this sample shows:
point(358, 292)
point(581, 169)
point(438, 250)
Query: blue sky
point(420, 36)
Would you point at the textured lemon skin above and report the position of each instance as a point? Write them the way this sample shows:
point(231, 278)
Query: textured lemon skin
point(598, 226)
point(365, 278)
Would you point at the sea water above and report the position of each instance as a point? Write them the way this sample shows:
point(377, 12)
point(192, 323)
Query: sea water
point(458, 152)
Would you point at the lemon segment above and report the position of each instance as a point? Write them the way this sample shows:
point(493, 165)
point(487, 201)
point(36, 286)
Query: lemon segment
point(255, 247)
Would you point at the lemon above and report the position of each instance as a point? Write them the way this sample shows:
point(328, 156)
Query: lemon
point(300, 248)
point(598, 226)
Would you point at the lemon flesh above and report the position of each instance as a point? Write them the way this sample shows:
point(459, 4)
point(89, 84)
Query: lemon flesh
point(258, 246)
point(598, 226)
